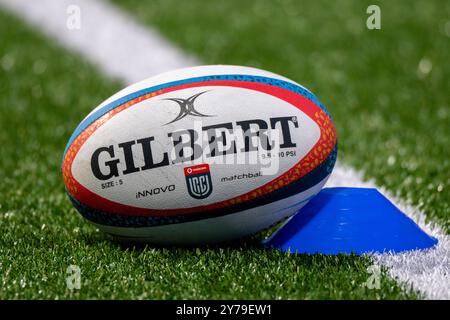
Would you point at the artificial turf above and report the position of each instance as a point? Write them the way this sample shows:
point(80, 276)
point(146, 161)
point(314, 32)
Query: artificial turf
point(387, 89)
point(44, 92)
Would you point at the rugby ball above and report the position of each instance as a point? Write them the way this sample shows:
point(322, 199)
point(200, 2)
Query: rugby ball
point(199, 155)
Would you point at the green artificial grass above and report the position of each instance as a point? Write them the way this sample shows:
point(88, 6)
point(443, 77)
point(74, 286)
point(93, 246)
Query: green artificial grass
point(44, 92)
point(392, 117)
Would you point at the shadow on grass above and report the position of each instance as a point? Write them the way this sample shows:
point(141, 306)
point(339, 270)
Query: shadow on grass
point(253, 242)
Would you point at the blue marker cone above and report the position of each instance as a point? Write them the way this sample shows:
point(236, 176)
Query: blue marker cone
point(349, 220)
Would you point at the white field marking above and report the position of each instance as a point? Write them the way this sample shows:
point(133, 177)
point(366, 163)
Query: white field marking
point(108, 37)
point(128, 51)
point(427, 271)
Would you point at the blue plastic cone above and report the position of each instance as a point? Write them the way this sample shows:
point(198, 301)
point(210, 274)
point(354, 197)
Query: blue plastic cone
point(349, 220)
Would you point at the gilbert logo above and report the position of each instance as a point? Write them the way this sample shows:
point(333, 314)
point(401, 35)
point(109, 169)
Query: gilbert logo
point(198, 180)
point(187, 107)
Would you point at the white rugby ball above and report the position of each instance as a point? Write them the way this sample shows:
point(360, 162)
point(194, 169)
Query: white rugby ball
point(199, 155)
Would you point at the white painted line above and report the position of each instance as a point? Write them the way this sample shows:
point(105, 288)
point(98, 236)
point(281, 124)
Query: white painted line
point(427, 271)
point(131, 52)
point(107, 37)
